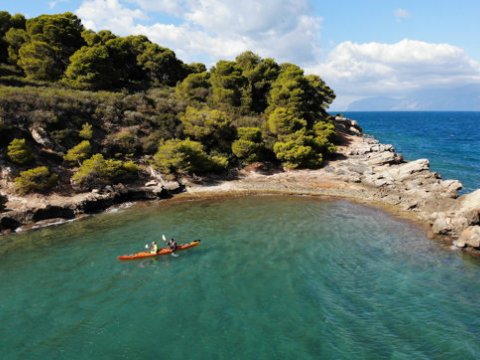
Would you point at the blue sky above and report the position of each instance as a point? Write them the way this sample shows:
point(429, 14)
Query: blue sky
point(439, 21)
point(362, 48)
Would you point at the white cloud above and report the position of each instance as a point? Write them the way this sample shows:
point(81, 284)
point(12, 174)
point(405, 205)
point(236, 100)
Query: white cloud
point(109, 14)
point(299, 45)
point(53, 4)
point(374, 69)
point(247, 16)
point(214, 29)
point(401, 14)
point(194, 43)
point(173, 7)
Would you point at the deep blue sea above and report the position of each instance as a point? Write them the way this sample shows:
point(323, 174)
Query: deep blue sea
point(450, 140)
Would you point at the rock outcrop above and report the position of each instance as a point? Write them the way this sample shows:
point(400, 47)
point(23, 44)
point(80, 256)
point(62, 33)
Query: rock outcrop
point(462, 221)
point(470, 237)
point(28, 211)
point(410, 185)
point(347, 126)
point(41, 137)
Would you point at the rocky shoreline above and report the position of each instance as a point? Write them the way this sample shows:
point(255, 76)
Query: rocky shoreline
point(34, 211)
point(363, 170)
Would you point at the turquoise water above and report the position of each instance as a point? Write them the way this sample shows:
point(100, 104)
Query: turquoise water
point(274, 278)
point(450, 140)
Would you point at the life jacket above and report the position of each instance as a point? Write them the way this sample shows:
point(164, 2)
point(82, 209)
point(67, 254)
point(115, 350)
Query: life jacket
point(154, 249)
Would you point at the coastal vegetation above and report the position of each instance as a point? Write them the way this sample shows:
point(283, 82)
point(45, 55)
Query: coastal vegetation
point(37, 179)
point(81, 109)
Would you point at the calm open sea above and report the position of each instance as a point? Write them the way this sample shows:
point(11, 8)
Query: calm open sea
point(450, 140)
point(274, 278)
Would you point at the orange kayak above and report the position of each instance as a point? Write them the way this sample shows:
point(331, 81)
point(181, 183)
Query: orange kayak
point(162, 251)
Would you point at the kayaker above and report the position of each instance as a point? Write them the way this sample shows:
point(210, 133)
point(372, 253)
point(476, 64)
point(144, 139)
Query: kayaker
point(172, 244)
point(154, 248)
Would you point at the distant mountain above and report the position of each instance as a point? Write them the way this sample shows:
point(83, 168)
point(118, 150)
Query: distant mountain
point(465, 98)
point(379, 103)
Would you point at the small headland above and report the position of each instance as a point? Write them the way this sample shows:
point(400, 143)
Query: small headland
point(366, 171)
point(362, 170)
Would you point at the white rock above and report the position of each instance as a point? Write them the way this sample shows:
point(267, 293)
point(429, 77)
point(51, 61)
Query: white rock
point(470, 201)
point(381, 158)
point(459, 244)
point(470, 236)
point(442, 225)
point(404, 171)
point(354, 131)
point(41, 137)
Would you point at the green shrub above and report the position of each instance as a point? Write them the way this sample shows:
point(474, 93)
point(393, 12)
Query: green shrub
point(325, 136)
point(37, 179)
point(298, 150)
point(283, 121)
point(247, 150)
point(97, 171)
point(218, 162)
point(194, 88)
point(249, 146)
point(123, 142)
point(78, 152)
point(250, 133)
point(19, 152)
point(211, 127)
point(326, 130)
point(186, 156)
point(130, 167)
point(323, 145)
point(293, 155)
point(86, 132)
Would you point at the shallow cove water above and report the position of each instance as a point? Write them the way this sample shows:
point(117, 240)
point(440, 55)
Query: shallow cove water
point(274, 278)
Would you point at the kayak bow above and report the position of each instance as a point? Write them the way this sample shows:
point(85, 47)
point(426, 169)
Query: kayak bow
point(162, 251)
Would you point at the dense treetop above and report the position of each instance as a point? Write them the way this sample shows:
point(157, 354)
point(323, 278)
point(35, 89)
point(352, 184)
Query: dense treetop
point(74, 101)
